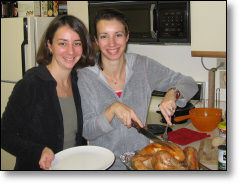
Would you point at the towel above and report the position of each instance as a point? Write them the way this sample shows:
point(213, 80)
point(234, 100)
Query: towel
point(185, 136)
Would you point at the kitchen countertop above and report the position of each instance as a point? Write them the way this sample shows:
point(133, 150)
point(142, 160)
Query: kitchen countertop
point(155, 118)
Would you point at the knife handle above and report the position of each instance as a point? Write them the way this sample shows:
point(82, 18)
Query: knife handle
point(135, 125)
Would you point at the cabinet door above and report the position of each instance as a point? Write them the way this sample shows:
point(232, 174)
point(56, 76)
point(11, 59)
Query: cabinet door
point(6, 90)
point(7, 160)
point(208, 28)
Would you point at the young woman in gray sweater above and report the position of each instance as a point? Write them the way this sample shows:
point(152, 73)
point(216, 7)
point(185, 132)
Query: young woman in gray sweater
point(119, 87)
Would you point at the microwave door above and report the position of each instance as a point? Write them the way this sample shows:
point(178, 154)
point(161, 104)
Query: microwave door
point(140, 18)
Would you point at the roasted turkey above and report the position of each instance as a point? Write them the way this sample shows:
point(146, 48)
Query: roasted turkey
point(158, 157)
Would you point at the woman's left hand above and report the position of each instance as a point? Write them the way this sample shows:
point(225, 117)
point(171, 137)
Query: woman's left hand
point(46, 158)
point(168, 106)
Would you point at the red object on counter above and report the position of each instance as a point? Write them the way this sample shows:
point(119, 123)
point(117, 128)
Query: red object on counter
point(185, 136)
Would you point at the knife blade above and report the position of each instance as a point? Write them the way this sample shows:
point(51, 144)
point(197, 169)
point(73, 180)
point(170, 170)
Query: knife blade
point(150, 135)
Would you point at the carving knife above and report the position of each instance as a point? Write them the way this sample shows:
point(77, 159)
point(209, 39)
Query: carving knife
point(150, 135)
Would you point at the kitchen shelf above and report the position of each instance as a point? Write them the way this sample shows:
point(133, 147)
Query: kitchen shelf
point(208, 54)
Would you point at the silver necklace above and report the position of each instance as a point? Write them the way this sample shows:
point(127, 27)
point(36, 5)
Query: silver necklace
point(66, 91)
point(115, 82)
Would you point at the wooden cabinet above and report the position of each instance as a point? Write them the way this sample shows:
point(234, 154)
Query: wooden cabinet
point(80, 10)
point(208, 28)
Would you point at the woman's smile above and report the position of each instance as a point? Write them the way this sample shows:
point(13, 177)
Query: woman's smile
point(112, 51)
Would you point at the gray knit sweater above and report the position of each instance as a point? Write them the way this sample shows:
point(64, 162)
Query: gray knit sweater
point(143, 75)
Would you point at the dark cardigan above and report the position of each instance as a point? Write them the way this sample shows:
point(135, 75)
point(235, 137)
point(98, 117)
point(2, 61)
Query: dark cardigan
point(33, 119)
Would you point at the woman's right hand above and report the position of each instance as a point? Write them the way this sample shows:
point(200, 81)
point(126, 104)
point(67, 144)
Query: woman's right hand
point(123, 113)
point(46, 158)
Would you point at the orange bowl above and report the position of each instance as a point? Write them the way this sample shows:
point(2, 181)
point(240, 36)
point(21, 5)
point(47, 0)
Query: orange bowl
point(203, 119)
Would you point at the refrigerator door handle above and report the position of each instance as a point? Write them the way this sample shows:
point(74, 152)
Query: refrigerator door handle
point(6, 81)
point(25, 42)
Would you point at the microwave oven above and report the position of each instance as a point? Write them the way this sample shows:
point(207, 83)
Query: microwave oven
point(149, 21)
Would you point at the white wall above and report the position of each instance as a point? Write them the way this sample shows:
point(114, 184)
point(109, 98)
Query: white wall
point(178, 58)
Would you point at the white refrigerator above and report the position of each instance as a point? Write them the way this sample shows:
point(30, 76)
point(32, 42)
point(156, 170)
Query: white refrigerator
point(20, 39)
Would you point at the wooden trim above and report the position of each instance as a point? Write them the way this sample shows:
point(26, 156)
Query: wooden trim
point(208, 54)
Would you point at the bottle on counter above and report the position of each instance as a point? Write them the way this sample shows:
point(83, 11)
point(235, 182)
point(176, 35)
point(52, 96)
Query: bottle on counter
point(3, 7)
point(9, 9)
point(15, 8)
point(222, 129)
point(222, 157)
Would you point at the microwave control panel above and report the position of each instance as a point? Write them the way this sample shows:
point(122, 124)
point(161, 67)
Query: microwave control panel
point(174, 21)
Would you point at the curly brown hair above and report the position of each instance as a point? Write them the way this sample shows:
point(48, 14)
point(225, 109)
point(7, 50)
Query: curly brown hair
point(88, 56)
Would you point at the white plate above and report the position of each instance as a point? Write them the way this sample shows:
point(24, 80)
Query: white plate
point(83, 158)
